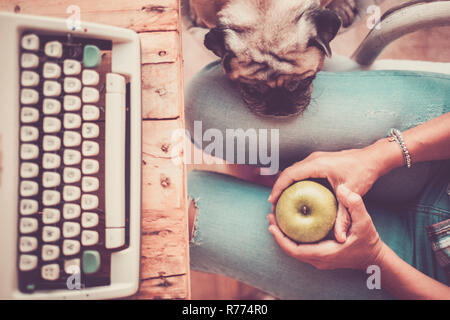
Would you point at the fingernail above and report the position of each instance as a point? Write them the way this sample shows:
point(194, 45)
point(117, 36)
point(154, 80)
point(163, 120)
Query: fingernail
point(269, 198)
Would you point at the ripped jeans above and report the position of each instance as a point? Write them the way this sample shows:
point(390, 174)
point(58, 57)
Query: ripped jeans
point(348, 110)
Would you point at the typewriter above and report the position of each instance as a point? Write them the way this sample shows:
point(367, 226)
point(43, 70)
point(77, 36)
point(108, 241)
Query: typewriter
point(70, 159)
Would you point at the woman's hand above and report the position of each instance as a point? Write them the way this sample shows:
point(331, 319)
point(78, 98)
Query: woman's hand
point(357, 169)
point(362, 247)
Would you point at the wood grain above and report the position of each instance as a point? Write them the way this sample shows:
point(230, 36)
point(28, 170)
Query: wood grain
point(165, 257)
point(138, 15)
point(164, 238)
point(161, 86)
point(161, 257)
point(173, 287)
point(162, 175)
point(158, 47)
point(162, 187)
point(165, 142)
point(165, 249)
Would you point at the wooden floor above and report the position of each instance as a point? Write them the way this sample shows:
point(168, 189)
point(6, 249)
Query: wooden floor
point(427, 45)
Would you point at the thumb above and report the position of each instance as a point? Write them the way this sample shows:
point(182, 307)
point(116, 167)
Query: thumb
point(342, 224)
point(352, 201)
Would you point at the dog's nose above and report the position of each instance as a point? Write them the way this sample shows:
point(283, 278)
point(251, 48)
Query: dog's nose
point(280, 101)
point(278, 96)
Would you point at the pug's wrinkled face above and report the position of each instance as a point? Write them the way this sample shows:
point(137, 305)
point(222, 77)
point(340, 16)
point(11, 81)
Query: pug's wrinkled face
point(273, 49)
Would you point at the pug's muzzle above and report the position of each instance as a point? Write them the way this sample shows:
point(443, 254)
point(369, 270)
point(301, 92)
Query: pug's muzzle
point(280, 101)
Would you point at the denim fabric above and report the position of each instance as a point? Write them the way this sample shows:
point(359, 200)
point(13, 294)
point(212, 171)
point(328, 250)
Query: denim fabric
point(231, 238)
point(348, 110)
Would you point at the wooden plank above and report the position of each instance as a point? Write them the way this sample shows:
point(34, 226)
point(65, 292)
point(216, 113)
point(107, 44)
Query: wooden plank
point(162, 177)
point(160, 138)
point(161, 88)
point(165, 248)
point(164, 220)
point(159, 47)
point(138, 15)
point(164, 243)
point(164, 288)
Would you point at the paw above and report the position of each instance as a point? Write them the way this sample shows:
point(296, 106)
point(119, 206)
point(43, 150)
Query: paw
point(345, 9)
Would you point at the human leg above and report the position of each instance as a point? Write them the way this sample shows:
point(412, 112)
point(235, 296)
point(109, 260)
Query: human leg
point(230, 237)
point(348, 110)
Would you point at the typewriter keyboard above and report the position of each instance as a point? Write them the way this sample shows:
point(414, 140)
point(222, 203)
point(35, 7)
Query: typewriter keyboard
point(66, 88)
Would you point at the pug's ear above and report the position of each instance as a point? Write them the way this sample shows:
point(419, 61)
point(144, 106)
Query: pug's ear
point(327, 23)
point(215, 41)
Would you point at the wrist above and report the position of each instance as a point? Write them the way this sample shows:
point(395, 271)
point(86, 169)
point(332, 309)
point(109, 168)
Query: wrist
point(380, 257)
point(376, 256)
point(385, 155)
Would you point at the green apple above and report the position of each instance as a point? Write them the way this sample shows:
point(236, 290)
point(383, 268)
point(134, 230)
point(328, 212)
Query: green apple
point(306, 211)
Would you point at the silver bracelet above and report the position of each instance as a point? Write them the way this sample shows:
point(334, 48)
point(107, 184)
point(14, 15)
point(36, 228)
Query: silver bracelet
point(396, 135)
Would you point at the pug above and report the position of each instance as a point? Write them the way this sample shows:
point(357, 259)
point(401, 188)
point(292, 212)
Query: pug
point(272, 49)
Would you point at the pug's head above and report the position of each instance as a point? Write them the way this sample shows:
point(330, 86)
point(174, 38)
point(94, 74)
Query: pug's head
point(273, 50)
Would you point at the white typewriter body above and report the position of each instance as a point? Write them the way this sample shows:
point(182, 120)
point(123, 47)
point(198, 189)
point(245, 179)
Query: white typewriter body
point(125, 60)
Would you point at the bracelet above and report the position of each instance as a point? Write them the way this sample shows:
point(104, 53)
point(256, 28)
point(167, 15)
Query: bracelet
point(396, 135)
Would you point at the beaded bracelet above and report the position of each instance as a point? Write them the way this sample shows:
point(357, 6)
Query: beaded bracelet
point(396, 135)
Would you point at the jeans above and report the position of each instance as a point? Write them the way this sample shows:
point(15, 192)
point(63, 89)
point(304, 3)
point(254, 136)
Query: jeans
point(348, 110)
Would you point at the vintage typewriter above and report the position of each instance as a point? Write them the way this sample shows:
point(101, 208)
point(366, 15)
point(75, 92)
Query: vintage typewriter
point(70, 146)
